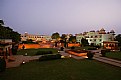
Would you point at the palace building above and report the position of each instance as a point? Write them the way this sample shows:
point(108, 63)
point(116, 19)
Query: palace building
point(100, 38)
point(26, 36)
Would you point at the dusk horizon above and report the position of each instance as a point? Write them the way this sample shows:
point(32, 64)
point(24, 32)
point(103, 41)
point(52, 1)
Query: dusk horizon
point(63, 16)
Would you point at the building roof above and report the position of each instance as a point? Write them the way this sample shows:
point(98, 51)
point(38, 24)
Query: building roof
point(102, 29)
point(112, 31)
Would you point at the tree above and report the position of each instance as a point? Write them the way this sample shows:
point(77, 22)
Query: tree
point(84, 42)
point(8, 33)
point(55, 36)
point(63, 37)
point(72, 39)
point(118, 38)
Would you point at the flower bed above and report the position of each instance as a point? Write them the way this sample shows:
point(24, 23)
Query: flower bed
point(77, 52)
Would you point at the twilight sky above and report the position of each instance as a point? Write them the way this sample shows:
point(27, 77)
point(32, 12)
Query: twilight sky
point(63, 16)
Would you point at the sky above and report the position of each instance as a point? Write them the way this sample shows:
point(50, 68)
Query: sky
point(62, 16)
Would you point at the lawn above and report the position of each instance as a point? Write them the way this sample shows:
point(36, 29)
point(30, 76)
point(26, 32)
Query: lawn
point(32, 52)
point(82, 48)
point(115, 55)
point(63, 69)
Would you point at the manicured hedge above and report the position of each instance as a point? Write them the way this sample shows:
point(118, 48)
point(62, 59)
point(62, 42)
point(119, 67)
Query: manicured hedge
point(103, 52)
point(72, 47)
point(43, 52)
point(61, 48)
point(2, 65)
point(49, 57)
point(92, 48)
point(90, 55)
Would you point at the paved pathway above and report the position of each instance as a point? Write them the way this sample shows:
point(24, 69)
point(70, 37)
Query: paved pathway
point(98, 57)
point(107, 60)
point(19, 59)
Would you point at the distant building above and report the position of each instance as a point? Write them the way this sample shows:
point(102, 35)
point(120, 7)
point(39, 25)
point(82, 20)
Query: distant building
point(96, 37)
point(26, 36)
point(79, 37)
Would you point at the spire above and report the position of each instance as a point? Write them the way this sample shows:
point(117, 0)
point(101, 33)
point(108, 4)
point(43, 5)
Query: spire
point(112, 32)
point(102, 31)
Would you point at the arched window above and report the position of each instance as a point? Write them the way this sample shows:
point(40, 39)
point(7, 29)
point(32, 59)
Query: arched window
point(106, 45)
point(110, 45)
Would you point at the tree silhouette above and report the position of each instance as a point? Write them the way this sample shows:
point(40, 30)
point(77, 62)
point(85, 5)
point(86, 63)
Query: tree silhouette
point(8, 33)
point(118, 38)
point(55, 35)
point(72, 39)
point(84, 42)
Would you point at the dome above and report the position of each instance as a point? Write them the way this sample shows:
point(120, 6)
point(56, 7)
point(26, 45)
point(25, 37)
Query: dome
point(102, 29)
point(112, 31)
point(92, 31)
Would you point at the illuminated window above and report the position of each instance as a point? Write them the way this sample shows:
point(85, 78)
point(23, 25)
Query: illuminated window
point(106, 45)
point(110, 45)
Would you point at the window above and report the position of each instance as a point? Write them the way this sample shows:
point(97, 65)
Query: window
point(110, 45)
point(94, 39)
point(106, 45)
point(100, 36)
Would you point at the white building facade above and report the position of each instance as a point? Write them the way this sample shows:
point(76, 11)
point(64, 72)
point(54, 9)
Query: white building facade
point(96, 37)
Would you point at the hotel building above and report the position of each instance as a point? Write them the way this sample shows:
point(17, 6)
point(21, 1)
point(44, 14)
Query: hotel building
point(26, 36)
point(97, 37)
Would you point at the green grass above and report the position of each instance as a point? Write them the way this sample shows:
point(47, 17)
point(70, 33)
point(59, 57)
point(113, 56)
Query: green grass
point(83, 47)
point(32, 52)
point(115, 55)
point(63, 69)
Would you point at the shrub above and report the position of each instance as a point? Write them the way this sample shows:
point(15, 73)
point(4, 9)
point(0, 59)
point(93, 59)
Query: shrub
point(14, 50)
point(72, 47)
point(2, 65)
point(43, 52)
point(103, 52)
point(90, 55)
point(61, 48)
point(107, 50)
point(94, 48)
point(49, 57)
point(97, 46)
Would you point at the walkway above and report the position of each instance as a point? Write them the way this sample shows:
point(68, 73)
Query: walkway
point(19, 59)
point(97, 57)
point(107, 60)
